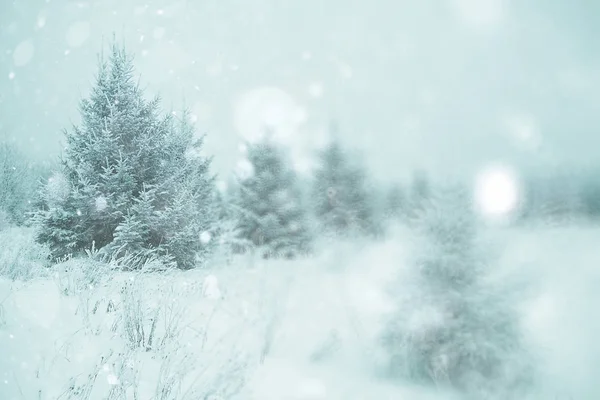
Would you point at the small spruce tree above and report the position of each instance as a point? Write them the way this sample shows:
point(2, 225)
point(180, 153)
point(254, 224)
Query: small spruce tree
point(341, 201)
point(269, 204)
point(131, 181)
point(451, 326)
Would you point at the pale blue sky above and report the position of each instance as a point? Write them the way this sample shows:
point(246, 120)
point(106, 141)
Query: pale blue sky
point(446, 85)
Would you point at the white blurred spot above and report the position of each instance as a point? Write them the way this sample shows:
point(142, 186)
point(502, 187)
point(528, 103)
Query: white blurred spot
point(205, 237)
point(222, 186)
point(496, 191)
point(79, 212)
point(244, 169)
point(302, 164)
point(315, 89)
point(105, 368)
point(101, 203)
point(158, 32)
point(112, 380)
point(57, 190)
point(234, 67)
point(78, 33)
point(141, 38)
point(11, 75)
point(41, 21)
point(267, 108)
point(67, 52)
point(242, 148)
point(23, 53)
point(306, 55)
point(480, 13)
point(160, 12)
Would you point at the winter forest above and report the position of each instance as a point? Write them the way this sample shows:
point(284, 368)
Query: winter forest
point(302, 200)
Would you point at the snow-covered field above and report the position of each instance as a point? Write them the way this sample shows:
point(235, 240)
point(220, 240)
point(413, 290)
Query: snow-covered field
point(273, 330)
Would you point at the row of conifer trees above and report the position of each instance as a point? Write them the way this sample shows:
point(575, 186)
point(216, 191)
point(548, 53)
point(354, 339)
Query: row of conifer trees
point(133, 183)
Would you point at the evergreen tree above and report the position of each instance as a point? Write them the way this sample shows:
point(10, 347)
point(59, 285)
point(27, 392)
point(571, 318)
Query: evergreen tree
point(132, 180)
point(451, 326)
point(342, 203)
point(268, 204)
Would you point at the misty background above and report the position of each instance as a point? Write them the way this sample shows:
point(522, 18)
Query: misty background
point(445, 86)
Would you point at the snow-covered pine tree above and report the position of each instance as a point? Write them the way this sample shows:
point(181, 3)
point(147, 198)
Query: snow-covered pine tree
point(133, 180)
point(269, 204)
point(451, 326)
point(341, 201)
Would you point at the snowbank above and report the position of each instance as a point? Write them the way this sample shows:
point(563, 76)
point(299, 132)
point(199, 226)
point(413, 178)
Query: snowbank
point(273, 329)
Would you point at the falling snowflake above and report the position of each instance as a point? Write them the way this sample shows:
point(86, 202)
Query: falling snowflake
point(222, 186)
point(101, 203)
point(205, 237)
point(11, 75)
point(245, 169)
point(497, 191)
point(23, 53)
point(112, 380)
point(79, 212)
point(41, 21)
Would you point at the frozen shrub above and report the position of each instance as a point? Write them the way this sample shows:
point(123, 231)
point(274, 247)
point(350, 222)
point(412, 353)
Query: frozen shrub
point(451, 327)
point(21, 257)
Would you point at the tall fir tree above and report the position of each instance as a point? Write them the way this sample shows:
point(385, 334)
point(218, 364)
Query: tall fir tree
point(269, 205)
point(340, 193)
point(452, 326)
point(132, 180)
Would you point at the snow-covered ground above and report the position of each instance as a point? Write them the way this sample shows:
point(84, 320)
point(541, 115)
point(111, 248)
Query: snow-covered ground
point(300, 330)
